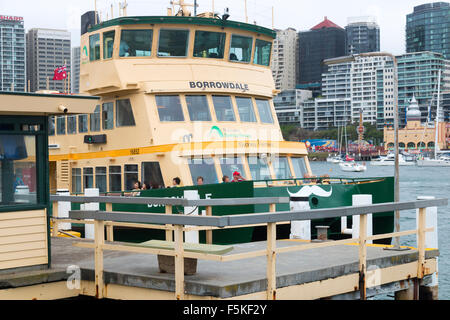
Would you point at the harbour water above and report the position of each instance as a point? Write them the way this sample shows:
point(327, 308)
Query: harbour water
point(414, 181)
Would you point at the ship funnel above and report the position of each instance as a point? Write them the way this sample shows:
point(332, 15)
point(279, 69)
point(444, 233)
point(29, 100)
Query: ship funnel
point(88, 20)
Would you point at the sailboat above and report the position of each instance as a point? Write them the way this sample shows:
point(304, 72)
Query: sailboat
point(349, 165)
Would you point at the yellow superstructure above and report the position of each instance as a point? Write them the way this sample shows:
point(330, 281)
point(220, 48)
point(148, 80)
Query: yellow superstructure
point(180, 97)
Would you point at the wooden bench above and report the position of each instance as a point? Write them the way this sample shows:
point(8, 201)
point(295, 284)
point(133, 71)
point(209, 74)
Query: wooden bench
point(167, 263)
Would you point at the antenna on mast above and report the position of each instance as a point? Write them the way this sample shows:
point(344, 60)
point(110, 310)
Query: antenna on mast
point(183, 11)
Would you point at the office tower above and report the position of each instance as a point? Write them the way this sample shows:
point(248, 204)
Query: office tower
point(325, 40)
point(363, 35)
point(428, 29)
point(284, 59)
point(12, 54)
point(75, 81)
point(47, 49)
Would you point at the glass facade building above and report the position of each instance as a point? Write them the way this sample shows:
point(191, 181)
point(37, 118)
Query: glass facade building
point(428, 29)
point(12, 54)
point(363, 35)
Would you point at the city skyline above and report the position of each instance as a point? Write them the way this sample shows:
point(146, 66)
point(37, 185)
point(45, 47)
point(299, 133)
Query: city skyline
point(390, 15)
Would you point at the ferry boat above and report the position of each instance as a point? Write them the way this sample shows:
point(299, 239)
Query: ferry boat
point(187, 97)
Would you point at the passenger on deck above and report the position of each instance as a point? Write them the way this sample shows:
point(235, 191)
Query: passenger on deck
point(176, 183)
point(309, 178)
point(146, 186)
point(226, 179)
point(237, 177)
point(200, 181)
point(137, 188)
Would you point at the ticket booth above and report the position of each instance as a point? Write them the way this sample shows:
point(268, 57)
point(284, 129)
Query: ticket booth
point(24, 174)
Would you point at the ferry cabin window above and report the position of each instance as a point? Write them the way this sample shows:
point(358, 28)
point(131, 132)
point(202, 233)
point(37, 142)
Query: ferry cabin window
point(299, 167)
point(18, 183)
point(265, 113)
point(131, 176)
point(94, 47)
point(224, 108)
point(198, 108)
point(231, 165)
point(76, 180)
point(259, 168)
point(203, 168)
point(108, 44)
point(281, 167)
point(169, 108)
point(72, 124)
point(246, 111)
point(124, 114)
point(61, 125)
point(108, 116)
point(88, 178)
point(241, 48)
point(83, 123)
point(152, 175)
point(115, 179)
point(100, 179)
point(263, 51)
point(136, 43)
point(173, 43)
point(51, 126)
point(95, 120)
point(209, 44)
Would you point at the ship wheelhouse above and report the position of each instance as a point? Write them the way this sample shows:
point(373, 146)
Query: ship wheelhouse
point(180, 97)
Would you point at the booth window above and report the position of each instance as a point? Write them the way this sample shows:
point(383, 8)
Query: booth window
point(246, 111)
point(263, 52)
point(241, 48)
point(224, 108)
point(169, 108)
point(136, 43)
point(198, 108)
point(173, 43)
point(108, 44)
point(209, 44)
point(94, 47)
point(124, 114)
point(203, 168)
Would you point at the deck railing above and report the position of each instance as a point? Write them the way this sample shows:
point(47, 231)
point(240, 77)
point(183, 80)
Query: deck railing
point(178, 223)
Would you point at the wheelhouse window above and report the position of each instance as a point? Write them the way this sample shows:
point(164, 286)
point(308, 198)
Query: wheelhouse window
point(76, 180)
point(265, 113)
point(95, 120)
point(241, 48)
point(108, 44)
point(18, 183)
point(245, 108)
point(131, 176)
point(299, 167)
point(198, 108)
point(209, 44)
point(124, 114)
point(281, 167)
point(136, 43)
point(259, 168)
point(203, 168)
point(88, 178)
point(108, 116)
point(72, 124)
point(94, 47)
point(263, 52)
point(61, 125)
point(173, 43)
point(115, 179)
point(231, 165)
point(100, 179)
point(83, 123)
point(224, 108)
point(169, 108)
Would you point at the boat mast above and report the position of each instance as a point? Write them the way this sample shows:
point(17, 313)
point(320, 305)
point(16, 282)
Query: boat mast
point(437, 115)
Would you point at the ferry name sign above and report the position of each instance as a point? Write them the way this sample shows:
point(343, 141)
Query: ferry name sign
point(219, 85)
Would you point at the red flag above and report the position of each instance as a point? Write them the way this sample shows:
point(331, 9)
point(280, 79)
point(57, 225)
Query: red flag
point(60, 73)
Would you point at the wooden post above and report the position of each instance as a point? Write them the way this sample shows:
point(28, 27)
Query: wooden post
point(362, 255)
point(271, 261)
point(209, 233)
point(99, 242)
point(179, 263)
point(421, 242)
point(169, 234)
point(109, 229)
point(55, 215)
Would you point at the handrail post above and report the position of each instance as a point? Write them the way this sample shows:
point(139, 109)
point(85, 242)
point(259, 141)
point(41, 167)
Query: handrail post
point(362, 255)
point(169, 234)
point(99, 242)
point(179, 263)
point(209, 233)
point(55, 216)
point(421, 242)
point(271, 258)
point(109, 228)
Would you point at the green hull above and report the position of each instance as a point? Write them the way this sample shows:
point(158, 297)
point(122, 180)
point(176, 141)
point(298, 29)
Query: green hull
point(381, 189)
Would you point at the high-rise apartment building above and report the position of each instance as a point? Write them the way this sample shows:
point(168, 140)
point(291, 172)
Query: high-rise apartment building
point(363, 35)
point(428, 29)
point(284, 59)
point(288, 106)
point(75, 74)
point(47, 49)
point(324, 41)
point(12, 54)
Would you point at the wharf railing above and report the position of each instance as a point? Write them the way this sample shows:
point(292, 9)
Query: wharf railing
point(180, 224)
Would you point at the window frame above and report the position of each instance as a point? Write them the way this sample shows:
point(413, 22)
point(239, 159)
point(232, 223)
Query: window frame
point(113, 44)
point(231, 104)
point(105, 121)
point(117, 114)
point(91, 59)
point(181, 108)
point(230, 47)
point(188, 44)
point(207, 104)
point(224, 44)
point(151, 44)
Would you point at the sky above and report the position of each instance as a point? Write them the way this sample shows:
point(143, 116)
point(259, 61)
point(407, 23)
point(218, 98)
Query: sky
point(298, 14)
